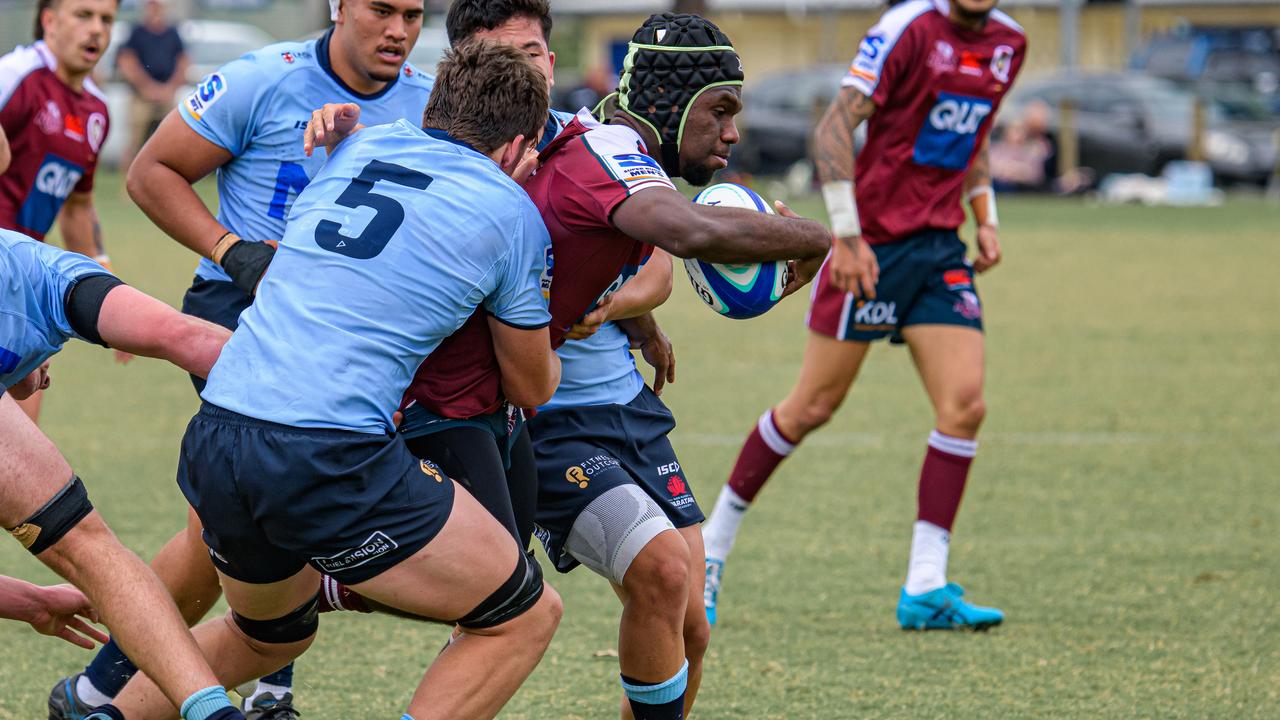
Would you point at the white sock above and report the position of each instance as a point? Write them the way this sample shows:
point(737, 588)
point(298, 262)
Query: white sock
point(720, 531)
point(89, 694)
point(928, 567)
point(276, 691)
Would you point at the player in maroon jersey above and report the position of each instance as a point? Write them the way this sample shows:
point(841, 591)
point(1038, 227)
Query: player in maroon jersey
point(927, 79)
point(53, 122)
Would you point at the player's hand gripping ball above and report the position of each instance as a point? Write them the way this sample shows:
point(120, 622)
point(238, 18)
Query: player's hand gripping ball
point(737, 291)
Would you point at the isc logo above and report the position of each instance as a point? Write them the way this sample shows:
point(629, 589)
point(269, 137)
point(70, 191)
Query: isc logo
point(960, 116)
point(57, 179)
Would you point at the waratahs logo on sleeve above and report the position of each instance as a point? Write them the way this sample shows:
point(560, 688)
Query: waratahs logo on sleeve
point(55, 180)
point(208, 92)
point(950, 131)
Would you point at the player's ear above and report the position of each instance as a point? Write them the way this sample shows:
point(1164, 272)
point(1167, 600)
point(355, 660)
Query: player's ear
point(508, 155)
point(551, 80)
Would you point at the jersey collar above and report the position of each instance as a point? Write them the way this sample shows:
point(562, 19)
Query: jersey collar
point(444, 135)
point(322, 57)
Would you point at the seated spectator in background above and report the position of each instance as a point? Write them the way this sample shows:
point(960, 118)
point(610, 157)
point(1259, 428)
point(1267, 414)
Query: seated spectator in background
point(154, 62)
point(1024, 158)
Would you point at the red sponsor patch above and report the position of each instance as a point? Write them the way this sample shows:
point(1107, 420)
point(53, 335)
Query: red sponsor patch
point(676, 486)
point(956, 278)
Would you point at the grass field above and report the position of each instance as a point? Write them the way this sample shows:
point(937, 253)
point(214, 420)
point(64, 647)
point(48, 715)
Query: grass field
point(1124, 509)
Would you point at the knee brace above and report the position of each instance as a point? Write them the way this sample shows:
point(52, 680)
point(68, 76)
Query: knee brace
point(299, 624)
point(55, 519)
point(614, 528)
point(515, 596)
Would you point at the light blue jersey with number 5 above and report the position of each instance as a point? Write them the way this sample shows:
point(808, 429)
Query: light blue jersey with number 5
point(393, 245)
point(257, 108)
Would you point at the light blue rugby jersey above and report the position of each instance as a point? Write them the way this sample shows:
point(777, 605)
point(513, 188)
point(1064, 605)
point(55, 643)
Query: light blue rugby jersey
point(392, 246)
point(34, 281)
point(599, 370)
point(257, 108)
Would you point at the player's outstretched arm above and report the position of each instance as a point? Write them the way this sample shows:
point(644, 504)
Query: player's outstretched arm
point(853, 265)
point(160, 181)
point(135, 322)
point(664, 218)
point(58, 610)
point(530, 368)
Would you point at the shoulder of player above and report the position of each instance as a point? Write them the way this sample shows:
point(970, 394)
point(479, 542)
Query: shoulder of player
point(273, 63)
point(17, 66)
point(1008, 24)
point(92, 88)
point(897, 20)
point(412, 76)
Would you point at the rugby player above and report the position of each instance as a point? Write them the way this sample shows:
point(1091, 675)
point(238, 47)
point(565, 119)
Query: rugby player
point(48, 297)
point(53, 121)
point(927, 79)
point(245, 122)
point(293, 463)
point(608, 200)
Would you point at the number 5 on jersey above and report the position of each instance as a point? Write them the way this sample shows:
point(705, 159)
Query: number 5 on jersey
point(388, 213)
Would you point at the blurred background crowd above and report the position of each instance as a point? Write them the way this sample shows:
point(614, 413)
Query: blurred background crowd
point(1148, 100)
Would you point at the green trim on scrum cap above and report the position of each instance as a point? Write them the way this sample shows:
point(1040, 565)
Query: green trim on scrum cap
point(684, 117)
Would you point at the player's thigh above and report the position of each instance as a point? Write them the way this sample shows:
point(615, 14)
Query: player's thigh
point(470, 558)
point(268, 601)
point(950, 360)
point(827, 371)
point(31, 469)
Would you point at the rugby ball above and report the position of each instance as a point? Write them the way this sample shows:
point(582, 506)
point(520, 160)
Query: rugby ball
point(737, 291)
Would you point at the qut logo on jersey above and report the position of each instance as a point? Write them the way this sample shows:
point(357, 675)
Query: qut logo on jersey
point(950, 131)
point(55, 181)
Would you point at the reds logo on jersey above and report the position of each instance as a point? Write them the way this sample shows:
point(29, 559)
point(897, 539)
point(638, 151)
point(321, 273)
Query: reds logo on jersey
point(950, 131)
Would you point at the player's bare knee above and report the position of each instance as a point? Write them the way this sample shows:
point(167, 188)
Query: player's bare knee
point(660, 572)
point(963, 415)
point(697, 634)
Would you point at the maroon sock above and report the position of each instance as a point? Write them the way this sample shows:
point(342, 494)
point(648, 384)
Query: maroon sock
point(766, 447)
point(336, 597)
point(942, 478)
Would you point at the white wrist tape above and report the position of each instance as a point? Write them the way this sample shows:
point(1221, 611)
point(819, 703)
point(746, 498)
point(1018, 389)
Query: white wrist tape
point(993, 219)
point(841, 208)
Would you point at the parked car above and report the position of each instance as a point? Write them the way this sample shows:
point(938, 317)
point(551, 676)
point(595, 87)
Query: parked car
point(780, 112)
point(1131, 123)
point(210, 44)
point(1226, 63)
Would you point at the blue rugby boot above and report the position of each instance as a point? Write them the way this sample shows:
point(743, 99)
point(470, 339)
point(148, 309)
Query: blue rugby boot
point(711, 589)
point(944, 609)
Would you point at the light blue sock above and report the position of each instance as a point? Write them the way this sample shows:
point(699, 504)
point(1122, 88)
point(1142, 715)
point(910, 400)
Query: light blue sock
point(660, 694)
point(204, 703)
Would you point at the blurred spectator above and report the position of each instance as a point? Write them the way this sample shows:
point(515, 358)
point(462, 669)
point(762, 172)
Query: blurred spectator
point(596, 83)
point(1025, 156)
point(154, 63)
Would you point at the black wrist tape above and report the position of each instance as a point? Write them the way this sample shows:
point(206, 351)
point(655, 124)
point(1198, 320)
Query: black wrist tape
point(52, 522)
point(84, 304)
point(246, 261)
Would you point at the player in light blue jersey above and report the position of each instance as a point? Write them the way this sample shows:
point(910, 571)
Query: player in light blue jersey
point(245, 122)
point(293, 463)
point(47, 297)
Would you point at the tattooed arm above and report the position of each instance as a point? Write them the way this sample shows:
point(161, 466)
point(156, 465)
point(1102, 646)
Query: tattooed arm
point(853, 265)
point(982, 200)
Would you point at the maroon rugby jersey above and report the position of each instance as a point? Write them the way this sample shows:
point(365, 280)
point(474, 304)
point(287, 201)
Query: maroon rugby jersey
point(54, 134)
point(586, 172)
point(936, 87)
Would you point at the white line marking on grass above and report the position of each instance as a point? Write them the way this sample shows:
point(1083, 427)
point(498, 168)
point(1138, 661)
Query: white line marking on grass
point(1048, 438)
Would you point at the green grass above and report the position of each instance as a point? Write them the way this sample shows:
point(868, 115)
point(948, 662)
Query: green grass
point(1123, 510)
